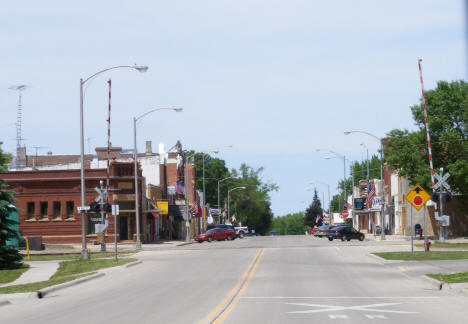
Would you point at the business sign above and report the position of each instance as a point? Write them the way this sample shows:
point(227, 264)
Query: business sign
point(359, 203)
point(163, 206)
point(417, 197)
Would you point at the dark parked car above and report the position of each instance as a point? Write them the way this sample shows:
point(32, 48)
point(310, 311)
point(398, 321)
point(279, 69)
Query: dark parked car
point(216, 234)
point(345, 233)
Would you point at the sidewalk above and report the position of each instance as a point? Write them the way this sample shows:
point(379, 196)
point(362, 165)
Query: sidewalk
point(38, 271)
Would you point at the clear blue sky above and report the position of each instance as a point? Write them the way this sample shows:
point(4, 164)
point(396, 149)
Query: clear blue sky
point(276, 79)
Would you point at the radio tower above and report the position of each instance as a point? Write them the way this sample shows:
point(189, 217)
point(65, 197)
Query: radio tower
point(19, 113)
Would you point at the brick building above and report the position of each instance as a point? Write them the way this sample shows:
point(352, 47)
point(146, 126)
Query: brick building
point(48, 194)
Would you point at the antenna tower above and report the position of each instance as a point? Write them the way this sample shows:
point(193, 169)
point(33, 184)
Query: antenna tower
point(19, 113)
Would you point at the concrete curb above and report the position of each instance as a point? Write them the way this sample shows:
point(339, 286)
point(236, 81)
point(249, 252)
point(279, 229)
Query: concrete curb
point(4, 302)
point(184, 243)
point(380, 259)
point(134, 263)
point(45, 291)
point(436, 283)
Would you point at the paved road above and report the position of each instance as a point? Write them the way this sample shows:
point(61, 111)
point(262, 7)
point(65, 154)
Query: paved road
point(295, 279)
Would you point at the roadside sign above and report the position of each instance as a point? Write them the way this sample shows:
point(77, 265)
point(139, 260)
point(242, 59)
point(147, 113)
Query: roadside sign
point(115, 210)
point(102, 194)
point(417, 197)
point(163, 206)
point(83, 208)
point(345, 214)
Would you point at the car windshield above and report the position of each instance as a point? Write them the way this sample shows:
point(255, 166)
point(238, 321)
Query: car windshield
point(210, 231)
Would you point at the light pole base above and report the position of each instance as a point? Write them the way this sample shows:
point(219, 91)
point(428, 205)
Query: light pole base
point(84, 254)
point(138, 245)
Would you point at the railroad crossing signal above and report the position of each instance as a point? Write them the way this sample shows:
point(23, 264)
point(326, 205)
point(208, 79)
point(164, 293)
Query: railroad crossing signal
point(102, 194)
point(417, 197)
point(442, 181)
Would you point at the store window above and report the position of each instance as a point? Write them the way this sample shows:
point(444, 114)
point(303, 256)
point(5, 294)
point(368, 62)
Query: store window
point(57, 206)
point(44, 208)
point(30, 210)
point(70, 209)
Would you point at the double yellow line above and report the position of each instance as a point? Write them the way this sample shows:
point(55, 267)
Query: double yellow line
point(220, 312)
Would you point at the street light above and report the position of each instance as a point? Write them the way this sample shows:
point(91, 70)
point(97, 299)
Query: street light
point(137, 207)
point(219, 181)
point(229, 191)
point(344, 167)
point(84, 251)
point(382, 234)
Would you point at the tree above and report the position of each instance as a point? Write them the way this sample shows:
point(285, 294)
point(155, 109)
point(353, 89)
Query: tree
point(9, 256)
point(447, 110)
point(290, 224)
point(313, 211)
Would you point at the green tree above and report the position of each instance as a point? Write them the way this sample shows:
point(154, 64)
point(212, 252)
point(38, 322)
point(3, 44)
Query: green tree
point(447, 110)
point(314, 210)
point(290, 224)
point(9, 256)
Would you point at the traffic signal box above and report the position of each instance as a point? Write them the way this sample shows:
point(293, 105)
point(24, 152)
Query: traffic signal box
point(96, 208)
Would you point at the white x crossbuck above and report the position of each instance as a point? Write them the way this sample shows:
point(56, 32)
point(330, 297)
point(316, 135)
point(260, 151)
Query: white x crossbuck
point(333, 308)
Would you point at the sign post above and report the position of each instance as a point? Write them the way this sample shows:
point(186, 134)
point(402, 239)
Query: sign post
point(441, 184)
point(418, 198)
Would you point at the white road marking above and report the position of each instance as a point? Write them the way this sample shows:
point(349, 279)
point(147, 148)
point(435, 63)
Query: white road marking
point(330, 308)
point(337, 248)
point(338, 297)
point(376, 316)
point(338, 316)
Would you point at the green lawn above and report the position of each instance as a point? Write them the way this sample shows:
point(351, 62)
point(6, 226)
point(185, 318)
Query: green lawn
point(421, 255)
point(76, 256)
point(451, 278)
point(67, 271)
point(7, 276)
point(446, 245)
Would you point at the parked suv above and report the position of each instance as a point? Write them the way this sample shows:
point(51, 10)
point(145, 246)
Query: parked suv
point(345, 233)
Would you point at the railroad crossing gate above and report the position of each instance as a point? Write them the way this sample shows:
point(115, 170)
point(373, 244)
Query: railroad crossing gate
point(417, 197)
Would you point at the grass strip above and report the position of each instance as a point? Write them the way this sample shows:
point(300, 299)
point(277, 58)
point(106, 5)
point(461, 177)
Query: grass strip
point(76, 256)
point(421, 255)
point(445, 245)
point(450, 277)
point(10, 275)
point(67, 271)
point(34, 286)
point(67, 268)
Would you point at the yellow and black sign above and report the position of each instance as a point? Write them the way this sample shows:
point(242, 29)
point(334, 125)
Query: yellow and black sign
point(417, 197)
point(163, 206)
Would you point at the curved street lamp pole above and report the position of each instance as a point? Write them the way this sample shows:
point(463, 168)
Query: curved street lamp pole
point(84, 251)
point(382, 233)
point(341, 156)
point(219, 181)
point(229, 192)
point(135, 154)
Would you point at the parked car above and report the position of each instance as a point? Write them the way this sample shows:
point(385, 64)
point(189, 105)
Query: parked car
point(240, 231)
point(273, 233)
point(345, 233)
point(216, 234)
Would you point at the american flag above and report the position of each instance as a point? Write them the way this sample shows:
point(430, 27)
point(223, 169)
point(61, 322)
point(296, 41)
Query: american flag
point(195, 209)
point(180, 187)
point(370, 194)
point(347, 206)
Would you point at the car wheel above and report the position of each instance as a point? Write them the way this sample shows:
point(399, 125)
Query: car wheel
point(343, 238)
point(200, 241)
point(229, 237)
point(210, 239)
point(330, 239)
point(241, 234)
point(361, 237)
point(348, 239)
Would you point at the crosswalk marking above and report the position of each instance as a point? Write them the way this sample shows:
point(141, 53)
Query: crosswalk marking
point(376, 316)
point(338, 316)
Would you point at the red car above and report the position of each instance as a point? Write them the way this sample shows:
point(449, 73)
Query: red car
point(216, 234)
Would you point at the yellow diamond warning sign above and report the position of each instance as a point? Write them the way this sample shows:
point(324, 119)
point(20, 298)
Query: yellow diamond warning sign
point(417, 197)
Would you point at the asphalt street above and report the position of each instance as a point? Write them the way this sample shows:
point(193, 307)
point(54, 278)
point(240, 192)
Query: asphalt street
point(282, 279)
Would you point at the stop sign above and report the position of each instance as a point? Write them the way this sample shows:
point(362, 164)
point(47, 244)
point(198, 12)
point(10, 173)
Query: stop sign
point(345, 214)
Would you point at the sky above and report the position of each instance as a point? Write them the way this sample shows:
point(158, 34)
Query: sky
point(277, 80)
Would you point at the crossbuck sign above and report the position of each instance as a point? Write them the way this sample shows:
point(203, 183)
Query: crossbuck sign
point(442, 181)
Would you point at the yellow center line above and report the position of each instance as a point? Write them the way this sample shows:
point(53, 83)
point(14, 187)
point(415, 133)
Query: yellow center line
point(228, 297)
point(228, 310)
